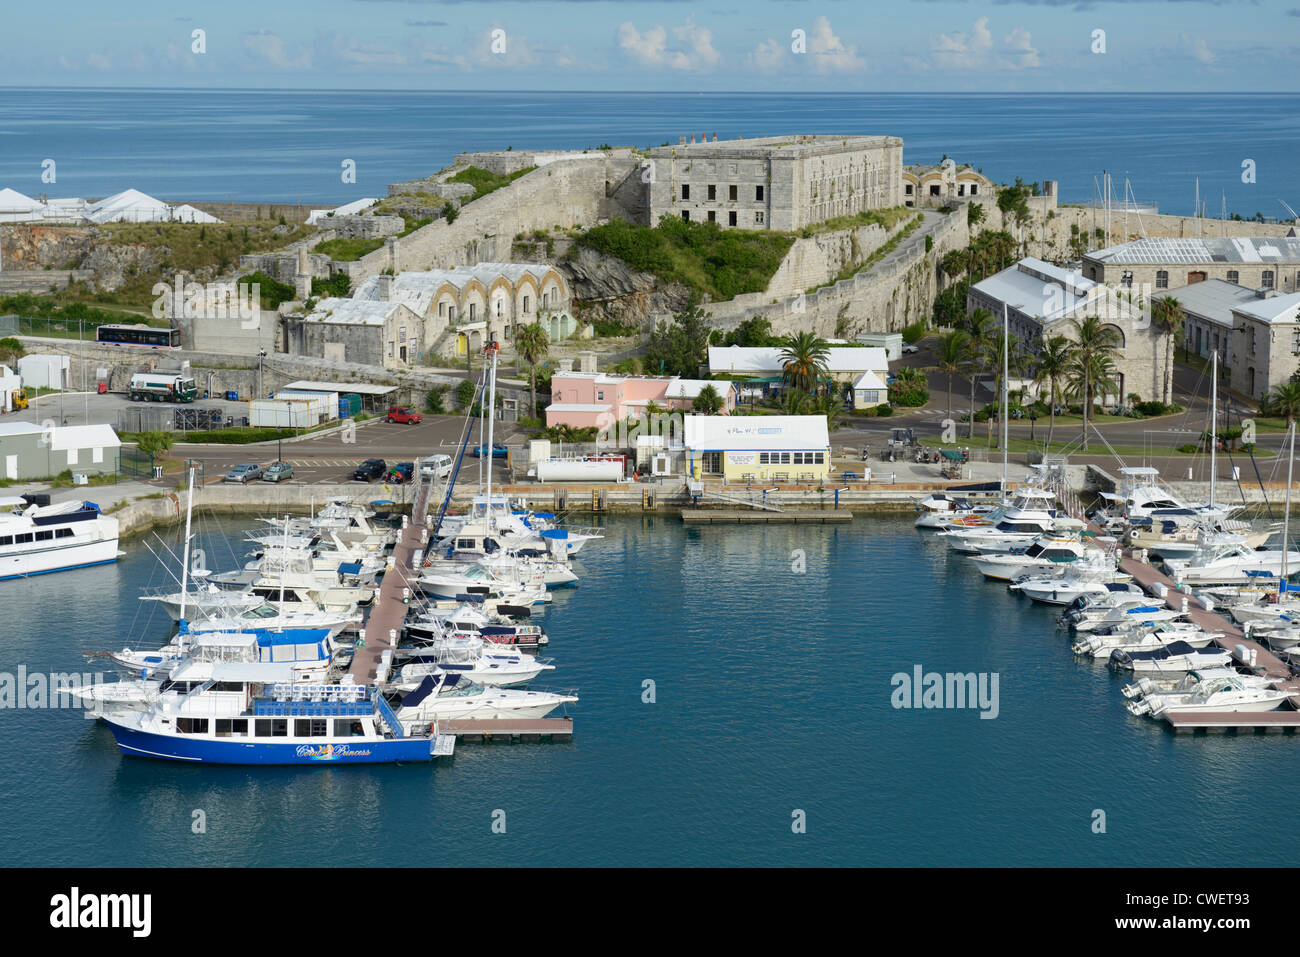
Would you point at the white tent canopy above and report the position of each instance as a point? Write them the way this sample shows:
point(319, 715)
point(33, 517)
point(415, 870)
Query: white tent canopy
point(15, 207)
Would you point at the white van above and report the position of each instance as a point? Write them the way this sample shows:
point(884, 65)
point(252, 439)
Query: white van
point(439, 466)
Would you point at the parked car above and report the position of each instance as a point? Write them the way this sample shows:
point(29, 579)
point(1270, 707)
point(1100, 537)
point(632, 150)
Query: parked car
point(244, 473)
point(278, 472)
point(910, 348)
point(370, 469)
point(404, 415)
point(438, 465)
point(401, 472)
point(498, 451)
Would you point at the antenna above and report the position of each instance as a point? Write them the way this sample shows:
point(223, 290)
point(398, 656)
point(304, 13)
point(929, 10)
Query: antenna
point(1286, 206)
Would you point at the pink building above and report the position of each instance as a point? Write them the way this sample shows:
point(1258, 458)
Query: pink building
point(582, 399)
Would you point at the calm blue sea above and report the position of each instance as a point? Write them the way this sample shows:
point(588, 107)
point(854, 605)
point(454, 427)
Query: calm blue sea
point(287, 146)
point(773, 694)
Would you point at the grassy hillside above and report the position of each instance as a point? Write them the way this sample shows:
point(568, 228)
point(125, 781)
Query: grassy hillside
point(709, 260)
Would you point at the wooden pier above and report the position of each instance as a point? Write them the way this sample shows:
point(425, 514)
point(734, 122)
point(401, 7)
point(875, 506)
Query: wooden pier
point(534, 729)
point(388, 611)
point(708, 516)
point(1266, 663)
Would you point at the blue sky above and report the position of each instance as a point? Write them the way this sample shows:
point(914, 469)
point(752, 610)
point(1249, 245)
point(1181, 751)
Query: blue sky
point(706, 45)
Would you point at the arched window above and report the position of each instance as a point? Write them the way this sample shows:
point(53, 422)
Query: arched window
point(1162, 279)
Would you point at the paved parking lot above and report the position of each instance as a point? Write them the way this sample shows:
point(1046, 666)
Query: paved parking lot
point(332, 458)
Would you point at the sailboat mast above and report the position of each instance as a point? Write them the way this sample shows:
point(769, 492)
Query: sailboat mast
point(185, 552)
point(491, 421)
point(1005, 364)
point(1286, 515)
point(284, 566)
point(1214, 422)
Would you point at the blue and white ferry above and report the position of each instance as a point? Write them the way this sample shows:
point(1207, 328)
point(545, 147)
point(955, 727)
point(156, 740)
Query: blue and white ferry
point(36, 539)
point(254, 713)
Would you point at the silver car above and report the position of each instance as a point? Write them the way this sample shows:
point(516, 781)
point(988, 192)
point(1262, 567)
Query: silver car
point(244, 473)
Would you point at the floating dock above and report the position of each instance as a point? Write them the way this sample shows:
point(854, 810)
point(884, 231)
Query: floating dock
point(535, 729)
point(1265, 662)
point(708, 516)
point(1275, 722)
point(388, 611)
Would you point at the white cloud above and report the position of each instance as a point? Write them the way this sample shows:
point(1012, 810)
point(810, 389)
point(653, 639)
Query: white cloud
point(1198, 49)
point(694, 50)
point(1020, 53)
point(975, 50)
point(270, 49)
point(829, 53)
point(768, 56)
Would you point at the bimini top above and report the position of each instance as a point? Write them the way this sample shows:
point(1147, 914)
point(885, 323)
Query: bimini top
point(428, 686)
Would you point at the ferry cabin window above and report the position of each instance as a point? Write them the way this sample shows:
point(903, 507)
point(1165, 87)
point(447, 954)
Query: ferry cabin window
point(232, 727)
point(347, 728)
point(23, 539)
point(6, 539)
point(58, 533)
point(310, 727)
point(45, 536)
point(272, 727)
point(192, 725)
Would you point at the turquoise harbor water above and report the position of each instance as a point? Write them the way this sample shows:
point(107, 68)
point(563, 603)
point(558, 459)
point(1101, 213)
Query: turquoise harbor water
point(773, 694)
point(286, 146)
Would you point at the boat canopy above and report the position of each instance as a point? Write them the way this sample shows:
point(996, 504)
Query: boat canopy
point(952, 455)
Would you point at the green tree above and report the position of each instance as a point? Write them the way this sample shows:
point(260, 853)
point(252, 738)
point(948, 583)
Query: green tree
point(11, 350)
point(979, 331)
point(434, 401)
point(795, 401)
point(755, 331)
point(1168, 316)
point(1052, 366)
point(532, 344)
point(974, 214)
point(804, 360)
point(680, 348)
point(1285, 400)
point(449, 212)
point(465, 393)
point(156, 443)
point(1092, 371)
point(951, 354)
point(708, 402)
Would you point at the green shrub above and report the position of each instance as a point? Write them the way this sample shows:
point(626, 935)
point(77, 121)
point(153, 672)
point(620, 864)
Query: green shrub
point(1189, 448)
point(908, 395)
point(465, 393)
point(914, 333)
point(348, 250)
point(484, 181)
point(434, 401)
point(338, 286)
point(709, 260)
point(885, 410)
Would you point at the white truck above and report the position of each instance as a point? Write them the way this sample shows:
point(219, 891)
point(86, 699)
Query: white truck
point(162, 387)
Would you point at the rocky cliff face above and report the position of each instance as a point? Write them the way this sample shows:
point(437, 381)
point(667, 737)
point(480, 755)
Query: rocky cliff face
point(32, 247)
point(605, 288)
point(25, 246)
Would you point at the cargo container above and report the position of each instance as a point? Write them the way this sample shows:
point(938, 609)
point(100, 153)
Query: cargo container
point(285, 413)
point(349, 405)
point(326, 403)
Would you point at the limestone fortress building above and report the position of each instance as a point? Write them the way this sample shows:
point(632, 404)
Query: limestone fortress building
point(775, 182)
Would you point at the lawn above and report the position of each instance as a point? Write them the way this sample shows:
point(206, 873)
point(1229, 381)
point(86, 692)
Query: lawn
point(347, 250)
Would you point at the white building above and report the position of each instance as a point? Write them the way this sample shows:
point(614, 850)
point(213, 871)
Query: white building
point(43, 371)
point(757, 448)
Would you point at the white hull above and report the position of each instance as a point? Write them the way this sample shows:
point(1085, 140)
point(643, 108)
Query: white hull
point(57, 558)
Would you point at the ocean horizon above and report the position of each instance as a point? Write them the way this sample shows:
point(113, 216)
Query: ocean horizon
point(288, 145)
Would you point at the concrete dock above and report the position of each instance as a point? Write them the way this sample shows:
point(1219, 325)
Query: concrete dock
point(710, 516)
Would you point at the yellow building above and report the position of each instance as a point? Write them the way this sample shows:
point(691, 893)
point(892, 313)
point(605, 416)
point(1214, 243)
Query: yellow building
point(757, 448)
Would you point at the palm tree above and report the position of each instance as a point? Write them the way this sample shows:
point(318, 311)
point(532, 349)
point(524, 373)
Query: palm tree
point(1052, 366)
point(1014, 359)
point(979, 330)
point(794, 402)
point(804, 360)
point(951, 355)
point(829, 406)
point(532, 344)
point(1168, 316)
point(1285, 400)
point(1092, 371)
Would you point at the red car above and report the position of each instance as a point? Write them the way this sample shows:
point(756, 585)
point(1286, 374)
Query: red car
point(404, 415)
